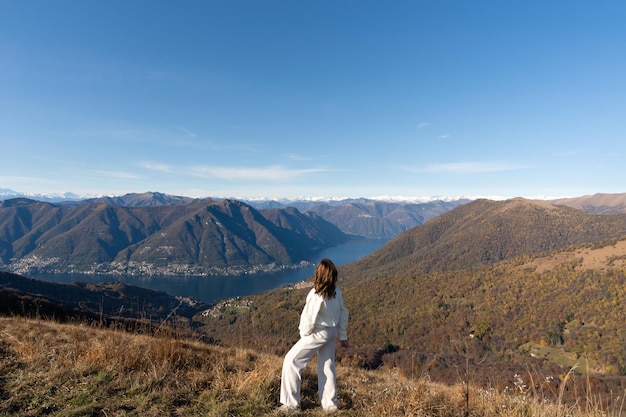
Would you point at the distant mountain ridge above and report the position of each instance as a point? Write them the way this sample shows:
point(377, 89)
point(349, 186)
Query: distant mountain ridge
point(378, 219)
point(302, 203)
point(200, 237)
point(118, 234)
point(599, 203)
point(6, 194)
point(371, 218)
point(137, 200)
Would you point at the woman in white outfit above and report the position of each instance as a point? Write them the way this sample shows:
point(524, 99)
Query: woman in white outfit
point(323, 320)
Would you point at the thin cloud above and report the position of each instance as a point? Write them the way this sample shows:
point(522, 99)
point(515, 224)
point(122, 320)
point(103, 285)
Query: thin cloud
point(155, 166)
point(270, 173)
point(296, 157)
point(424, 125)
point(115, 174)
point(24, 180)
point(470, 167)
point(240, 147)
point(186, 132)
point(572, 152)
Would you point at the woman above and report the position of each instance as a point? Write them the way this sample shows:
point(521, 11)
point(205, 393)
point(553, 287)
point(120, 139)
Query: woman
point(324, 320)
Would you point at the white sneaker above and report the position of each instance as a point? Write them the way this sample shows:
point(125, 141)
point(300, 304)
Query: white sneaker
point(331, 409)
point(287, 409)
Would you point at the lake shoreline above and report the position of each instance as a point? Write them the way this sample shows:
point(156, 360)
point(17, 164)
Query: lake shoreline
point(144, 270)
point(210, 288)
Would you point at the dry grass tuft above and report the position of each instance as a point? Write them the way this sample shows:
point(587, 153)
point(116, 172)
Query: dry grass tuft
point(55, 369)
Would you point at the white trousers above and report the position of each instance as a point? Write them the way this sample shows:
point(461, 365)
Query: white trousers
point(323, 343)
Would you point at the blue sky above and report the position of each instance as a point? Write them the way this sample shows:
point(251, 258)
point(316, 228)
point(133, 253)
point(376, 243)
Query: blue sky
point(291, 99)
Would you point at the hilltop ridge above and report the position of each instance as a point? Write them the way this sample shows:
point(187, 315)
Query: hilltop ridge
point(483, 232)
point(599, 203)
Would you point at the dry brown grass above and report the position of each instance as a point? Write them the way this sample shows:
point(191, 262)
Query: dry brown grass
point(55, 369)
point(601, 258)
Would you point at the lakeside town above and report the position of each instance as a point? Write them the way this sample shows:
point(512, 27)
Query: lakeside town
point(35, 264)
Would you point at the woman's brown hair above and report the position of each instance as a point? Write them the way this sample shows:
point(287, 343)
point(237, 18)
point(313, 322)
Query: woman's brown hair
point(325, 278)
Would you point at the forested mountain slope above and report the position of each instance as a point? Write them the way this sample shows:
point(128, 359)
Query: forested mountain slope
point(484, 232)
point(376, 219)
point(203, 236)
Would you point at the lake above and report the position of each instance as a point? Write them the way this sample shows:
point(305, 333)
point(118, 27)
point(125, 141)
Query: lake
point(212, 288)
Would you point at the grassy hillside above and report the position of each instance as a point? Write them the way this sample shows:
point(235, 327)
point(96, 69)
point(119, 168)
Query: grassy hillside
point(56, 369)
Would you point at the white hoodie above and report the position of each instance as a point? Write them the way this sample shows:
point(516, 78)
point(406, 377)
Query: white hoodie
point(320, 312)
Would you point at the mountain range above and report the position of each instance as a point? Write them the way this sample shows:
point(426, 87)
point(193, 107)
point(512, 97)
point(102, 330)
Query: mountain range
point(199, 237)
point(360, 217)
point(155, 233)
